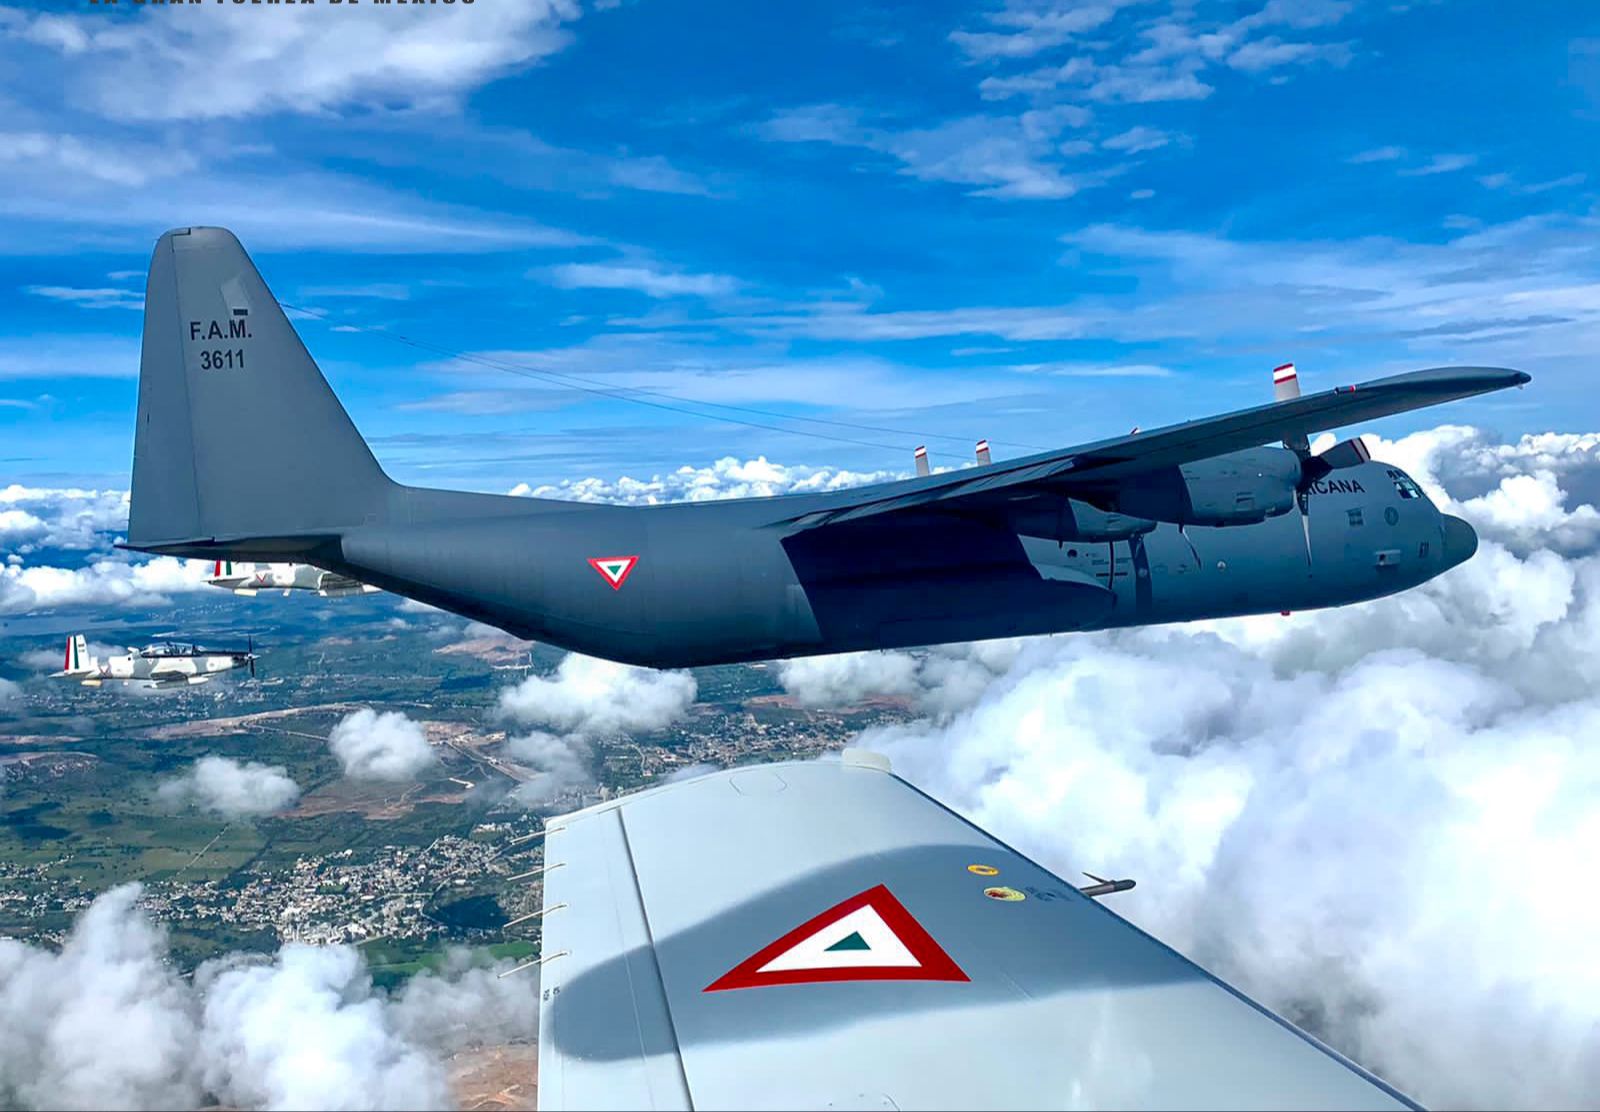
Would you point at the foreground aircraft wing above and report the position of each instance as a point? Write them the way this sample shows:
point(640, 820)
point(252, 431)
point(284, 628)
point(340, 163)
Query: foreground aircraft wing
point(823, 935)
point(1072, 470)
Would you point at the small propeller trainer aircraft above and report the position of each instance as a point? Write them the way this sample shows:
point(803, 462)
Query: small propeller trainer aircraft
point(167, 664)
point(1196, 520)
point(249, 578)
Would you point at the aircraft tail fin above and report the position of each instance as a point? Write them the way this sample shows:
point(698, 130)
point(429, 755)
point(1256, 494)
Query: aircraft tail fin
point(240, 438)
point(77, 660)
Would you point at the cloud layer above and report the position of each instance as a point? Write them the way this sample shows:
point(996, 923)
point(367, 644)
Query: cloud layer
point(1369, 818)
point(587, 695)
point(585, 699)
point(108, 1023)
point(32, 589)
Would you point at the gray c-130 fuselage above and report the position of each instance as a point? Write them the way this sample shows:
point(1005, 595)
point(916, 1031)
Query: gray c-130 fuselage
point(713, 583)
point(1189, 521)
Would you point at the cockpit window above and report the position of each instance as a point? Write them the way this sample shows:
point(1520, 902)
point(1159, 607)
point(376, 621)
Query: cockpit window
point(1403, 485)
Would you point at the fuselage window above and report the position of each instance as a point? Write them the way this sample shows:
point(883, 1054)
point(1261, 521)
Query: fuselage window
point(1355, 517)
point(1422, 550)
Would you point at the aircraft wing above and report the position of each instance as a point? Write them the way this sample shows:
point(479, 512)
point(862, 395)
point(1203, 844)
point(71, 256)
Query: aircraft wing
point(1089, 466)
point(823, 935)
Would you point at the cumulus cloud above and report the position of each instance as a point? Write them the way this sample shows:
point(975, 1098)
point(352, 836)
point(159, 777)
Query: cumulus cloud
point(60, 517)
point(938, 679)
point(590, 696)
point(1368, 818)
point(726, 478)
point(585, 699)
point(1516, 493)
point(232, 788)
point(108, 582)
point(563, 762)
point(373, 745)
point(108, 1023)
point(301, 62)
point(103, 1024)
point(9, 689)
point(844, 678)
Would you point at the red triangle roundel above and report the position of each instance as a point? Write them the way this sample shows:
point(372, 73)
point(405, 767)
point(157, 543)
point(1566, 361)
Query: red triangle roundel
point(869, 937)
point(614, 569)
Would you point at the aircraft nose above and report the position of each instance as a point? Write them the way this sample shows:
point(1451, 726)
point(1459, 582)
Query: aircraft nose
point(1460, 541)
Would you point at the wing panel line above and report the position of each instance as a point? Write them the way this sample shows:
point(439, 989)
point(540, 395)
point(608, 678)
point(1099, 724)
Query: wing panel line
point(655, 965)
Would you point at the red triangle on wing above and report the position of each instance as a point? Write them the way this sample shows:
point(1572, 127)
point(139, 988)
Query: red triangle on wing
point(933, 963)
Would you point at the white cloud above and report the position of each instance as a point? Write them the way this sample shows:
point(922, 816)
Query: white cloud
point(232, 788)
point(564, 764)
point(1440, 164)
point(1137, 139)
point(1001, 156)
point(837, 321)
point(304, 60)
point(1503, 293)
point(1272, 52)
point(841, 679)
point(1366, 817)
point(107, 162)
point(1377, 154)
point(103, 1024)
point(60, 517)
point(726, 478)
point(9, 689)
point(380, 746)
point(1515, 493)
point(642, 278)
point(938, 680)
point(32, 589)
point(1028, 28)
point(108, 1023)
point(99, 297)
point(589, 696)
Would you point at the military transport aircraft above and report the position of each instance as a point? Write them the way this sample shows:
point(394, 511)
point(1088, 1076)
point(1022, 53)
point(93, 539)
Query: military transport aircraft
point(167, 664)
point(1195, 520)
point(823, 935)
point(250, 578)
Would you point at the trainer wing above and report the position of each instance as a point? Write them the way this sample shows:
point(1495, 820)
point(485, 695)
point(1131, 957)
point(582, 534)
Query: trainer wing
point(823, 935)
point(1093, 466)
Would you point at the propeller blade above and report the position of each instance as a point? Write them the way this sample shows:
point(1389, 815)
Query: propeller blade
point(1302, 499)
point(1346, 453)
point(1193, 551)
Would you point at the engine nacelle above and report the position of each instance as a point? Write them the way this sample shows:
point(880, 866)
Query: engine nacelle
point(1238, 489)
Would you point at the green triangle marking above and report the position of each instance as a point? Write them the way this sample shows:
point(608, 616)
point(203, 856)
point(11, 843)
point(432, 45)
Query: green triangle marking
point(852, 941)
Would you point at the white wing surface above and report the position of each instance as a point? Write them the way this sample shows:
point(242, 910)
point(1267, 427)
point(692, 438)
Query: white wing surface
point(823, 935)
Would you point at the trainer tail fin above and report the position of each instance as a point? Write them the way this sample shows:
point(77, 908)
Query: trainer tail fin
point(239, 437)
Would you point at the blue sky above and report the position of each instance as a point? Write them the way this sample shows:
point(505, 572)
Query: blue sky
point(1036, 222)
